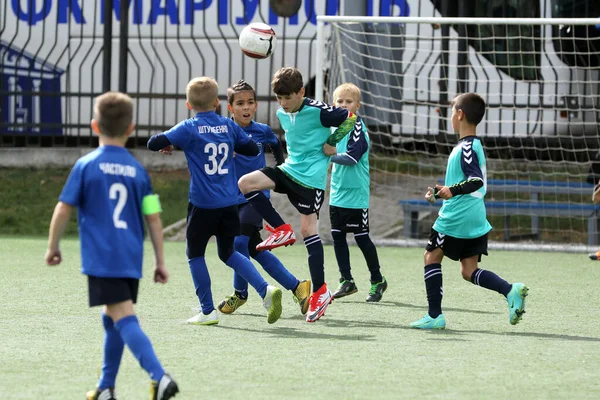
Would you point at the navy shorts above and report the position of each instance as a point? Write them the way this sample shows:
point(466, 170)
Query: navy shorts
point(457, 249)
point(104, 291)
point(250, 219)
point(204, 223)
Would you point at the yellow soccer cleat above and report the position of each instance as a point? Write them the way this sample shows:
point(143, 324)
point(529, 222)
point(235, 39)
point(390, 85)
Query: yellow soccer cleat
point(231, 303)
point(302, 295)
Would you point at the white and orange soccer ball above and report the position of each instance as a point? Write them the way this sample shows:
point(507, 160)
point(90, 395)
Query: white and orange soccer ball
point(258, 40)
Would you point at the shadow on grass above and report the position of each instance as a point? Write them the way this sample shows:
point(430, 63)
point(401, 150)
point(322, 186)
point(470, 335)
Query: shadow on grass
point(424, 307)
point(537, 335)
point(287, 332)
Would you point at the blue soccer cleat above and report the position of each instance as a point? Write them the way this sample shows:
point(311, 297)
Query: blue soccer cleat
point(430, 323)
point(516, 302)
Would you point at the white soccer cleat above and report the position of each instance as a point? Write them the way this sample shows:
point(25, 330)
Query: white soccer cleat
point(319, 301)
point(281, 236)
point(272, 302)
point(204, 319)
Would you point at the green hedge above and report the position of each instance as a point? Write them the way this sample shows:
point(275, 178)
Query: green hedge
point(28, 197)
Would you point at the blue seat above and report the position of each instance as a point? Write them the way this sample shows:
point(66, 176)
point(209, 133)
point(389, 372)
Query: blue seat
point(508, 208)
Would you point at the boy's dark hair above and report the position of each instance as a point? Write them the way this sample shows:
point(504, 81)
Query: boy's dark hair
point(113, 111)
point(286, 81)
point(472, 105)
point(240, 86)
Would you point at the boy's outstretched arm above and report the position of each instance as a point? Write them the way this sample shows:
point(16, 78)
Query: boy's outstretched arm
point(335, 116)
point(158, 142)
point(62, 213)
point(247, 149)
point(155, 229)
point(343, 129)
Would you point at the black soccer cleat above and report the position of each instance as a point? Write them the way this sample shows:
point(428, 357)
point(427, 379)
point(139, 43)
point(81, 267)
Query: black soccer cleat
point(104, 394)
point(376, 292)
point(163, 389)
point(346, 288)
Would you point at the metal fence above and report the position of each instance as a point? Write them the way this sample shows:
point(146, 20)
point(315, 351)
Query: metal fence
point(57, 56)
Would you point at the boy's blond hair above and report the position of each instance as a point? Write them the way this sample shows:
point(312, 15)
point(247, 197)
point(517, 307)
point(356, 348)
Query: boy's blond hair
point(347, 88)
point(113, 112)
point(201, 93)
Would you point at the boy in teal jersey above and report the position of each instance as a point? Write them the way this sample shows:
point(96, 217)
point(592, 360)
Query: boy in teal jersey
point(113, 194)
point(461, 229)
point(303, 175)
point(242, 104)
point(349, 199)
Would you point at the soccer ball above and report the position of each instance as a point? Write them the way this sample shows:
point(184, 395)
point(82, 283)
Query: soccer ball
point(258, 40)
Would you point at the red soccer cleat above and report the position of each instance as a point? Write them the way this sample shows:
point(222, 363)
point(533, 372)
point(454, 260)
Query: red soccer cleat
point(281, 236)
point(319, 301)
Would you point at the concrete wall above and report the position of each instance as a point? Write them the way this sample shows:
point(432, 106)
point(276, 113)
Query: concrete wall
point(66, 157)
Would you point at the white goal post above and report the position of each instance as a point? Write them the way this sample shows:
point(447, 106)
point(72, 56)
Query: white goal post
point(541, 80)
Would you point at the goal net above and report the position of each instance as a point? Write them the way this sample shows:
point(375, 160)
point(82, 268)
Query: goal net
point(541, 81)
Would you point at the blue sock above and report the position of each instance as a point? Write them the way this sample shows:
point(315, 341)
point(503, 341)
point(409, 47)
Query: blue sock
point(263, 206)
point(241, 246)
point(140, 346)
point(316, 261)
point(113, 350)
point(275, 268)
point(342, 254)
point(201, 280)
point(490, 280)
point(245, 268)
point(435, 291)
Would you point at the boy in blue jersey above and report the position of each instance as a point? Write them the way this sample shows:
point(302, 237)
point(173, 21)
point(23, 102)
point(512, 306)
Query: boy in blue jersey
point(113, 194)
point(209, 141)
point(242, 103)
point(461, 230)
point(303, 175)
point(349, 199)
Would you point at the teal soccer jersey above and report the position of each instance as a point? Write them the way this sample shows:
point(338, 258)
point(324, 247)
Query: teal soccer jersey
point(306, 131)
point(463, 216)
point(350, 183)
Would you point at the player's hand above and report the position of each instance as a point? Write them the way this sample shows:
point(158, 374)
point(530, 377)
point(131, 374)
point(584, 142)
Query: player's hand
point(329, 150)
point(161, 275)
point(429, 195)
point(167, 150)
point(53, 257)
point(443, 192)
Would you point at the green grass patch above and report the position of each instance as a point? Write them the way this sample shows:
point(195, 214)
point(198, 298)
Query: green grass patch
point(52, 342)
point(28, 198)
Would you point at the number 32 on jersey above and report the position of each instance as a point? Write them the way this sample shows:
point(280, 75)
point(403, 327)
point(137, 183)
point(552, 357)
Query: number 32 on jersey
point(217, 155)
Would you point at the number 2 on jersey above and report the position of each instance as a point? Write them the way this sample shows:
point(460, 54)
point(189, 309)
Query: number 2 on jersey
point(215, 166)
point(118, 192)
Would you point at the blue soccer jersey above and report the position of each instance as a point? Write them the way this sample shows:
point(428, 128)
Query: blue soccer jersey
point(464, 216)
point(208, 141)
point(306, 131)
point(108, 186)
point(262, 135)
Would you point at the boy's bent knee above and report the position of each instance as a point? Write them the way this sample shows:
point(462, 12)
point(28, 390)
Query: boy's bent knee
point(244, 184)
point(466, 274)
